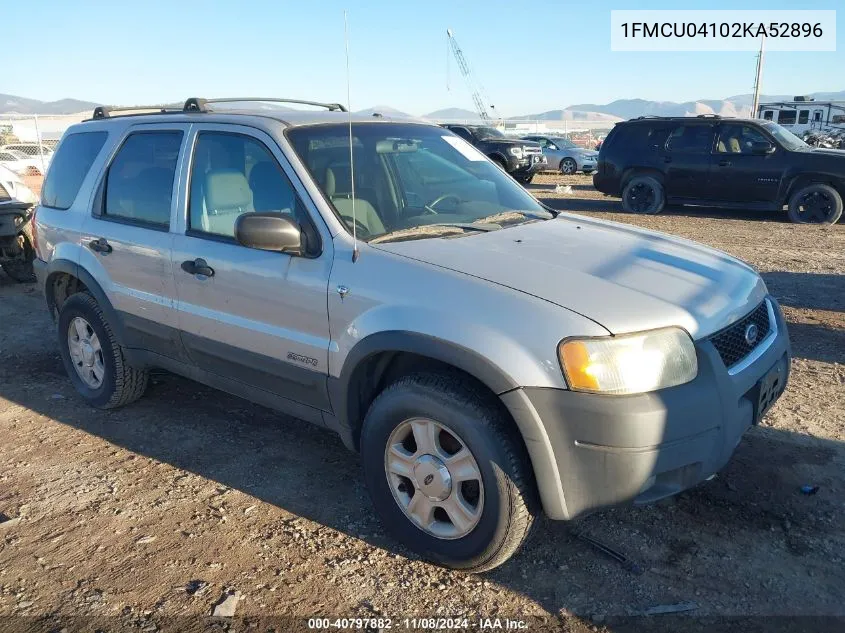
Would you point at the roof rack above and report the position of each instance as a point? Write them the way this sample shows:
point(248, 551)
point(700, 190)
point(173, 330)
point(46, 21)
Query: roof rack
point(105, 112)
point(198, 104)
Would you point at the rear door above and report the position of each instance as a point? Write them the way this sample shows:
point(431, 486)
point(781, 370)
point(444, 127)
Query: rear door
point(739, 175)
point(127, 237)
point(686, 160)
point(252, 316)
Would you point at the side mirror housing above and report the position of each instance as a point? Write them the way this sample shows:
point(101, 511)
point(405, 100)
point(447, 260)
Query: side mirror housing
point(269, 231)
point(762, 147)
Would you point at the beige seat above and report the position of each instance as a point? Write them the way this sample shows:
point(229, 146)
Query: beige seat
point(365, 214)
point(732, 146)
point(227, 195)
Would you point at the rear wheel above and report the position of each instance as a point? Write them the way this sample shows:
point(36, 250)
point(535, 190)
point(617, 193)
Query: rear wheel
point(643, 195)
point(447, 473)
point(568, 166)
point(93, 358)
point(815, 204)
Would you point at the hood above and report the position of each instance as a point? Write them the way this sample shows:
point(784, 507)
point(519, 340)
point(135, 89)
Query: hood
point(624, 278)
point(839, 153)
point(503, 140)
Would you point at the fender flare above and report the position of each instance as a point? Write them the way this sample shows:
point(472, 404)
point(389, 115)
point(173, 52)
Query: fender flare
point(60, 266)
point(528, 423)
point(498, 156)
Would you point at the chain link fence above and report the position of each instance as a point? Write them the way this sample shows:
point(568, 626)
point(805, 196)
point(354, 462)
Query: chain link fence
point(27, 142)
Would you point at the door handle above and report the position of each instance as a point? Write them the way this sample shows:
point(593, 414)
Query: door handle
point(724, 163)
point(198, 267)
point(100, 245)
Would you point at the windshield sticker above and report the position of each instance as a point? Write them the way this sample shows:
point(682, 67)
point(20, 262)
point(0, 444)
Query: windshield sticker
point(466, 150)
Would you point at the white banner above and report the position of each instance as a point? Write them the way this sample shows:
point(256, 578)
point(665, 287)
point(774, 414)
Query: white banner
point(722, 30)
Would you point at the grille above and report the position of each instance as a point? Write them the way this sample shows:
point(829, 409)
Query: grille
point(731, 343)
point(532, 150)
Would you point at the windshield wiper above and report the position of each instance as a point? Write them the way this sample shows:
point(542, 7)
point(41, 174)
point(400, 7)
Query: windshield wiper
point(509, 216)
point(431, 230)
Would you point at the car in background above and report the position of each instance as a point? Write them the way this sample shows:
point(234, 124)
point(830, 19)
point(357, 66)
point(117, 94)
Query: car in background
point(564, 155)
point(520, 158)
point(12, 188)
point(729, 163)
point(21, 164)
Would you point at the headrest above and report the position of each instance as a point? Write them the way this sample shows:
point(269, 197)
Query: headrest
point(331, 184)
point(227, 189)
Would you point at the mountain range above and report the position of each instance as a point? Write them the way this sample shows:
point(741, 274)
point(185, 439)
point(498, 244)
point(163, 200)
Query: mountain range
point(738, 105)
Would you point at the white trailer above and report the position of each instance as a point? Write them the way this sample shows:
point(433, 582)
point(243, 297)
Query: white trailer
point(803, 114)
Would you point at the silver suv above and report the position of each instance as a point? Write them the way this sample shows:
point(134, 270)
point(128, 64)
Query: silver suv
point(385, 280)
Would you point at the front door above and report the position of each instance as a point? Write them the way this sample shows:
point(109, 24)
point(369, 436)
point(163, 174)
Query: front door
point(740, 175)
point(685, 160)
point(253, 316)
point(127, 236)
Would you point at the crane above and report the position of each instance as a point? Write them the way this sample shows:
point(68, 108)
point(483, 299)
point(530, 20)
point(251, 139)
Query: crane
point(474, 88)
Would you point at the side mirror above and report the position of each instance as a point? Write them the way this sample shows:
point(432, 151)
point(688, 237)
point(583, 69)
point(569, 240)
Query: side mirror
point(762, 147)
point(270, 231)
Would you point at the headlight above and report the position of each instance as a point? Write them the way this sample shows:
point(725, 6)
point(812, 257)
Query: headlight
point(630, 363)
point(515, 151)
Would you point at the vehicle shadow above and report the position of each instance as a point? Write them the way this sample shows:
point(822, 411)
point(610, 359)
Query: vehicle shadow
point(811, 291)
point(754, 504)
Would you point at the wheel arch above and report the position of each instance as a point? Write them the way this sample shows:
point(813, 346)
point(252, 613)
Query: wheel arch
point(380, 358)
point(498, 157)
point(798, 181)
point(65, 278)
point(632, 172)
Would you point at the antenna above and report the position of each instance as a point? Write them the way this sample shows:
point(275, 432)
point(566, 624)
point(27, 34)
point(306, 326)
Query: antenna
point(351, 153)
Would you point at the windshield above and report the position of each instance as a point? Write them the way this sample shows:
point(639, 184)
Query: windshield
point(407, 176)
point(785, 137)
point(487, 132)
point(563, 142)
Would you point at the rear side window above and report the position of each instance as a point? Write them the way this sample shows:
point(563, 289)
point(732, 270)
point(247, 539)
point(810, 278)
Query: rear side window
point(139, 183)
point(69, 167)
point(691, 139)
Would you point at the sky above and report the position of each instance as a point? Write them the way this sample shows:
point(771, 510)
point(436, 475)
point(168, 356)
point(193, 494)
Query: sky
point(529, 57)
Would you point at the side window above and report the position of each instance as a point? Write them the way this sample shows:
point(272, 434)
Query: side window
point(463, 133)
point(69, 167)
point(787, 117)
point(691, 139)
point(768, 115)
point(804, 116)
point(817, 116)
point(139, 182)
point(232, 174)
point(738, 139)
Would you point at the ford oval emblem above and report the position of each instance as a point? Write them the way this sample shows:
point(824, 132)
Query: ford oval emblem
point(751, 333)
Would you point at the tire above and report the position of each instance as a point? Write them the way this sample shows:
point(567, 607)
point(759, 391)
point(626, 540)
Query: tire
point(643, 195)
point(121, 383)
point(526, 180)
point(500, 163)
point(505, 494)
point(815, 204)
point(22, 270)
point(568, 166)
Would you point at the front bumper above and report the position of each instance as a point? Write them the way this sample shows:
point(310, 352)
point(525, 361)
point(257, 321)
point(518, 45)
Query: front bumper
point(531, 165)
point(609, 450)
point(40, 268)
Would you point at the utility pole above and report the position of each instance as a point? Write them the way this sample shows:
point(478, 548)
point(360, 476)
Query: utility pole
point(755, 102)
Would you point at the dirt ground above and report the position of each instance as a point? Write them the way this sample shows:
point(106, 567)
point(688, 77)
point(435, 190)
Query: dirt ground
point(142, 518)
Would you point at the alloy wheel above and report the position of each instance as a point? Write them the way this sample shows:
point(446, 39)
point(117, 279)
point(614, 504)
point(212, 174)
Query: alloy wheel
point(434, 478)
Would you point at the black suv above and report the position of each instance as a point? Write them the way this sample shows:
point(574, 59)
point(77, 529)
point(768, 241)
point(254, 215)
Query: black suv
point(521, 159)
point(708, 160)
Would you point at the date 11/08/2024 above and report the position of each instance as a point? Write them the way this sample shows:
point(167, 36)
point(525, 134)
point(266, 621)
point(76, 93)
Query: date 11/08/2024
point(424, 624)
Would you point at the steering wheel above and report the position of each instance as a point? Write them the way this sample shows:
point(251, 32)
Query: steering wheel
point(430, 206)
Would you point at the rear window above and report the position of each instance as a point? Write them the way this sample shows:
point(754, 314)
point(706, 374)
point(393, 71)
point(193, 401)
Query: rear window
point(69, 167)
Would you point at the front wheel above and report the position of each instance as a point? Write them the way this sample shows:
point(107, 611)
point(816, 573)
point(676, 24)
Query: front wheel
point(815, 204)
point(447, 473)
point(526, 180)
point(568, 166)
point(643, 195)
point(20, 269)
